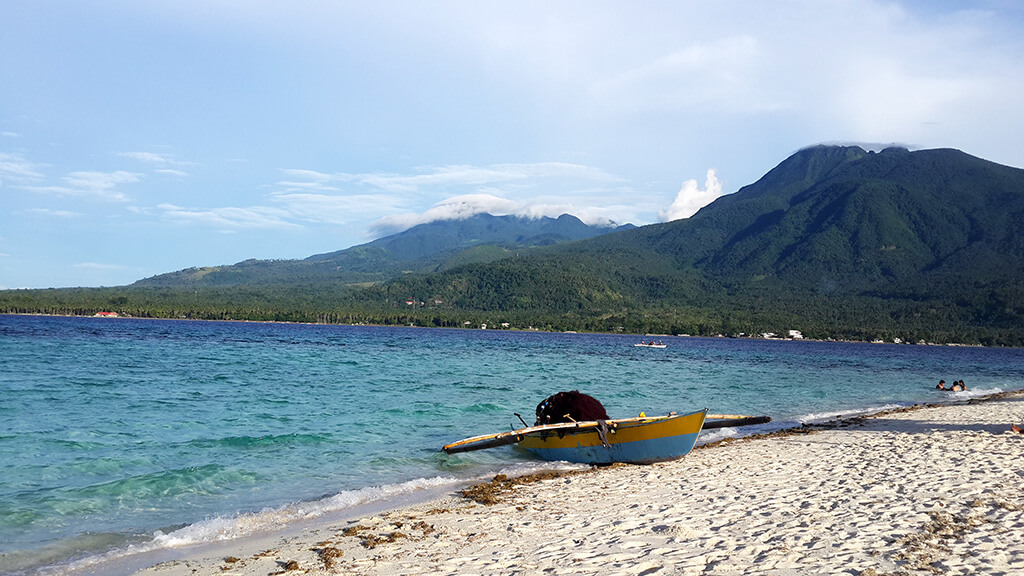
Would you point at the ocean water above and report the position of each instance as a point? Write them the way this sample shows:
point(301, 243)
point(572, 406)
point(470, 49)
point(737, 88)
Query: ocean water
point(125, 437)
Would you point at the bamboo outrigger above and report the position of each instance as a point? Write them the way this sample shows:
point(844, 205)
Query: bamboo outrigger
point(639, 440)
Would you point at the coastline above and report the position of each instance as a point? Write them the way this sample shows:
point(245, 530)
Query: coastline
point(913, 490)
point(511, 329)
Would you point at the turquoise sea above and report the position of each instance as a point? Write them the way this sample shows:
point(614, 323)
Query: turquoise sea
point(125, 437)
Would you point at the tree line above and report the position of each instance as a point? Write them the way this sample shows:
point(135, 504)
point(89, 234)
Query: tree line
point(567, 304)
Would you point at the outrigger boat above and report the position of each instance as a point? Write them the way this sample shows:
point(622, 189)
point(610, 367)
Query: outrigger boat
point(640, 440)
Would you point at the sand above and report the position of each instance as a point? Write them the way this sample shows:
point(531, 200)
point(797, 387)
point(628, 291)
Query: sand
point(929, 490)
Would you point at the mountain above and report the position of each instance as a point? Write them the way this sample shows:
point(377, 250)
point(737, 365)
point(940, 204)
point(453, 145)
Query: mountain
point(427, 247)
point(842, 219)
point(924, 236)
point(835, 241)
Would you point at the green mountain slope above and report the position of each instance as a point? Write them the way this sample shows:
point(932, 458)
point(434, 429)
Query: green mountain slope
point(426, 247)
point(842, 219)
point(837, 233)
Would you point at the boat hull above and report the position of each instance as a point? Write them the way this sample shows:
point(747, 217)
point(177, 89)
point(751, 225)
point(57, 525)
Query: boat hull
point(634, 440)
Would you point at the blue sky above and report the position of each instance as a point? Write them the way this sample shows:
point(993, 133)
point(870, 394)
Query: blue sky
point(144, 137)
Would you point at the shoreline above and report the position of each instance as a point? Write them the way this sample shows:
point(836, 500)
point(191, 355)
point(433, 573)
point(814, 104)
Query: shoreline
point(524, 330)
point(910, 490)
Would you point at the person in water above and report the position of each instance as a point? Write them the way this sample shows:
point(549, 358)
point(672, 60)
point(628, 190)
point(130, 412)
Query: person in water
point(941, 385)
point(957, 387)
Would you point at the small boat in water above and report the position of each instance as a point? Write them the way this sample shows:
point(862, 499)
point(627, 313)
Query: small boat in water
point(651, 344)
point(640, 440)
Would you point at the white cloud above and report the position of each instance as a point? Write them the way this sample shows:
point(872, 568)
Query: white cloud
point(313, 180)
point(146, 157)
point(530, 190)
point(94, 180)
point(171, 172)
point(450, 176)
point(455, 208)
point(99, 266)
point(164, 162)
point(153, 158)
point(14, 168)
point(466, 206)
point(720, 74)
point(334, 208)
point(230, 219)
point(54, 213)
point(100, 184)
point(311, 197)
point(442, 176)
point(473, 176)
point(691, 198)
point(784, 75)
point(91, 184)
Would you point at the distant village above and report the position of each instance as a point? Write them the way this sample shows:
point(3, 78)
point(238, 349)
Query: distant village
point(469, 325)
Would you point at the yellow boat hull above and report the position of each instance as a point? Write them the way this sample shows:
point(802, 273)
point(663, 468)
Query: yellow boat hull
point(632, 440)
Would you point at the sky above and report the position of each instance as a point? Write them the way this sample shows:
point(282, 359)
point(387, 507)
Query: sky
point(138, 138)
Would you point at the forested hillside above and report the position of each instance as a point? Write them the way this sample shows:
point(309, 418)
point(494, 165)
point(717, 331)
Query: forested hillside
point(836, 240)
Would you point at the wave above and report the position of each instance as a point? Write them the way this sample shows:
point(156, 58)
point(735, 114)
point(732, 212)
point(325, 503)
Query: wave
point(253, 441)
point(945, 397)
point(270, 520)
point(972, 393)
point(836, 415)
point(483, 407)
point(822, 417)
point(143, 487)
point(247, 524)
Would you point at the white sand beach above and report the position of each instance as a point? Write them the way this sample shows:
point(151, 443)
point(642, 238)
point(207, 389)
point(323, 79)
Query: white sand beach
point(935, 489)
